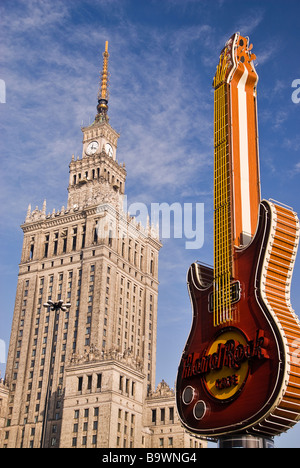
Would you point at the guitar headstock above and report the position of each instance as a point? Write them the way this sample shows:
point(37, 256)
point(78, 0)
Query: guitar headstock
point(236, 55)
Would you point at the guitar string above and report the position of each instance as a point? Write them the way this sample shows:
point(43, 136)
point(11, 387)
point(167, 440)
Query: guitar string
point(222, 241)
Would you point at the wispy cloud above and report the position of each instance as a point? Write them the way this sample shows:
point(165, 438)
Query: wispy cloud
point(297, 168)
point(33, 15)
point(157, 104)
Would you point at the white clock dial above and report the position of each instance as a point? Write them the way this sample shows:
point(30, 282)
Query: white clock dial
point(92, 148)
point(109, 150)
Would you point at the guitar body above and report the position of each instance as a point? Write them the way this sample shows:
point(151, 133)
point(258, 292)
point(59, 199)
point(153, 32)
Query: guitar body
point(244, 375)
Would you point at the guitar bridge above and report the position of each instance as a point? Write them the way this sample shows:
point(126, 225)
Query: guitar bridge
point(235, 295)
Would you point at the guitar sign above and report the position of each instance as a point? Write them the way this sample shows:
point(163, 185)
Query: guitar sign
point(237, 372)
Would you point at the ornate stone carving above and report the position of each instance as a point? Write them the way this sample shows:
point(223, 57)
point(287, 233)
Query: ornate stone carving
point(162, 390)
point(92, 354)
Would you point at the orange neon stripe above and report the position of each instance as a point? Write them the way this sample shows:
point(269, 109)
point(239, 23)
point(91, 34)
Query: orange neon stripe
point(250, 118)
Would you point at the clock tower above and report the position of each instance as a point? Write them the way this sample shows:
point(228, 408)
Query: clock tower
point(94, 176)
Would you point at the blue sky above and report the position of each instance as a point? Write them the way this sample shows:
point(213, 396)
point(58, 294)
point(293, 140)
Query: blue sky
point(163, 55)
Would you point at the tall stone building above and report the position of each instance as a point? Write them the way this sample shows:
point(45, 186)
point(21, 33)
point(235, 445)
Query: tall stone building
point(82, 375)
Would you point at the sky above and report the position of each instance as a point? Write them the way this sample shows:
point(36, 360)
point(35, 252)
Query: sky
point(163, 56)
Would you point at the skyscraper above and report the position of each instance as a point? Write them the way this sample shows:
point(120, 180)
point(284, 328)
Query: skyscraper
point(79, 376)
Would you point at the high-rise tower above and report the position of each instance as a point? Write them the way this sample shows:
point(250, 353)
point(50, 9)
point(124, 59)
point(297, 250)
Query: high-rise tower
point(72, 373)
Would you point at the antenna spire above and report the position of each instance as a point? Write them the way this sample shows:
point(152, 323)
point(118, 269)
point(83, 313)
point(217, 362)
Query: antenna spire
point(102, 106)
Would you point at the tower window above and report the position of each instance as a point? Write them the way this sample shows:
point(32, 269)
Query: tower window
point(96, 234)
point(55, 243)
point(80, 379)
point(31, 251)
point(64, 235)
point(46, 246)
point(99, 381)
point(74, 239)
point(89, 385)
point(110, 238)
point(83, 237)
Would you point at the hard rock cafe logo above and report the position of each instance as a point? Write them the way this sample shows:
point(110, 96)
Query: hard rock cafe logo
point(224, 366)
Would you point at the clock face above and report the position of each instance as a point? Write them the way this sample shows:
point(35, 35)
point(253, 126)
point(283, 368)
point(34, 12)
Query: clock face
point(92, 148)
point(109, 150)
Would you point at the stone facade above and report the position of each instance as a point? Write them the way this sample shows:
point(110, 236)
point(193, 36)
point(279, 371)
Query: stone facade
point(104, 402)
point(4, 395)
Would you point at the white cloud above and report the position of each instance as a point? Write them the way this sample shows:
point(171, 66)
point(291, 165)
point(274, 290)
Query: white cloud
point(156, 103)
point(297, 167)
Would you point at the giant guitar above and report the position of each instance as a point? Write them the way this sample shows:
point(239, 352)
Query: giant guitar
point(240, 369)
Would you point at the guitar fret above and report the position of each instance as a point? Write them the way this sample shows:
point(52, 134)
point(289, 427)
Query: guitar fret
point(222, 210)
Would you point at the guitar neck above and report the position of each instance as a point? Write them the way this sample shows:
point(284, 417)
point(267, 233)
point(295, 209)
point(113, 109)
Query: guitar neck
point(236, 166)
point(222, 208)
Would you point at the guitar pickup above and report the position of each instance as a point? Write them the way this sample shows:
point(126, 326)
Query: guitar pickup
point(235, 295)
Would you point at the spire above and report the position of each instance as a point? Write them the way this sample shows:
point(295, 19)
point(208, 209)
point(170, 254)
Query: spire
point(102, 106)
point(28, 212)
